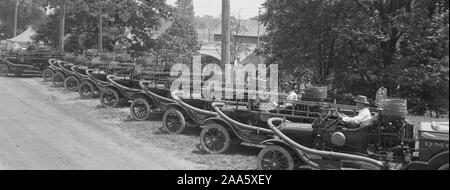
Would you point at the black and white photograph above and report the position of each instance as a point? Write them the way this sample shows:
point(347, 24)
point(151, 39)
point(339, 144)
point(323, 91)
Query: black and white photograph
point(224, 85)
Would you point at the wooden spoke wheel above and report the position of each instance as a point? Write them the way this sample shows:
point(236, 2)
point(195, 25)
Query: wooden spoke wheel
point(109, 98)
point(140, 109)
point(275, 158)
point(4, 70)
point(215, 139)
point(47, 75)
point(58, 79)
point(72, 83)
point(174, 122)
point(86, 90)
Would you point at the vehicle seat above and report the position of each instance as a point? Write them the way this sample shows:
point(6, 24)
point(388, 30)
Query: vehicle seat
point(297, 128)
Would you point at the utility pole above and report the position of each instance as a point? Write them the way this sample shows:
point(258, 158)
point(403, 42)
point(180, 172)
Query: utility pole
point(226, 32)
point(100, 33)
point(16, 15)
point(209, 33)
point(62, 26)
point(259, 20)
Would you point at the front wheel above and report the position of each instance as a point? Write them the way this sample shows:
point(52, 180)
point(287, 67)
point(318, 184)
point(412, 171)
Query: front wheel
point(140, 109)
point(4, 70)
point(109, 98)
point(58, 80)
point(47, 75)
point(275, 158)
point(72, 83)
point(215, 139)
point(86, 90)
point(174, 122)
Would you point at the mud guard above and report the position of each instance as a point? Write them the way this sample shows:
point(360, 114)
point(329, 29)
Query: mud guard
point(119, 91)
point(283, 144)
point(177, 107)
point(438, 160)
point(217, 120)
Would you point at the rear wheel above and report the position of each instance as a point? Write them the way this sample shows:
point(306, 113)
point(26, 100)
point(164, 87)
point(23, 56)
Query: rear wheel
point(71, 83)
point(140, 109)
point(109, 98)
point(86, 90)
point(47, 75)
point(4, 70)
point(275, 158)
point(174, 121)
point(215, 139)
point(58, 79)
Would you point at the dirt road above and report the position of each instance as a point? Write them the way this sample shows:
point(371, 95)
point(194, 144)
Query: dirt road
point(36, 132)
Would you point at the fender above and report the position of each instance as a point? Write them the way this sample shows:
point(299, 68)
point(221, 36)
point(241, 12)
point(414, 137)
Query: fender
point(297, 153)
point(48, 67)
point(62, 72)
point(216, 120)
point(89, 80)
point(438, 160)
point(226, 124)
point(177, 107)
point(143, 95)
point(119, 91)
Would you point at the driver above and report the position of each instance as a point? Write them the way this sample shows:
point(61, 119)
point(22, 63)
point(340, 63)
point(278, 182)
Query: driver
point(364, 117)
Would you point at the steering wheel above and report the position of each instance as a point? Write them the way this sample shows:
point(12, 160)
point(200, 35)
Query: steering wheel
point(332, 113)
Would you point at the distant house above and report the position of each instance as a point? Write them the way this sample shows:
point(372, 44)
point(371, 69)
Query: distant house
point(211, 39)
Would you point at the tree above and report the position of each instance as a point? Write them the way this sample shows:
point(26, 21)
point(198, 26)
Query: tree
point(180, 40)
point(237, 47)
point(29, 13)
point(121, 19)
point(358, 46)
point(186, 9)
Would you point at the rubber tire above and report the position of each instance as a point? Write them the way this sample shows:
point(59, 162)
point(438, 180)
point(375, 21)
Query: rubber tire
point(114, 93)
point(286, 153)
point(45, 72)
point(88, 85)
point(6, 73)
point(180, 116)
point(222, 129)
point(147, 106)
point(58, 75)
point(77, 83)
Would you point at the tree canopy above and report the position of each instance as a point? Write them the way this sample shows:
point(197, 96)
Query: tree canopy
point(180, 40)
point(29, 13)
point(357, 46)
point(130, 21)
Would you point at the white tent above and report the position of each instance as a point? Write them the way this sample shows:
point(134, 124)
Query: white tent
point(25, 37)
point(22, 41)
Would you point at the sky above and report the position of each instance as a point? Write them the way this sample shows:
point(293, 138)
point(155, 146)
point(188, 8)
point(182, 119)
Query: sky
point(246, 8)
